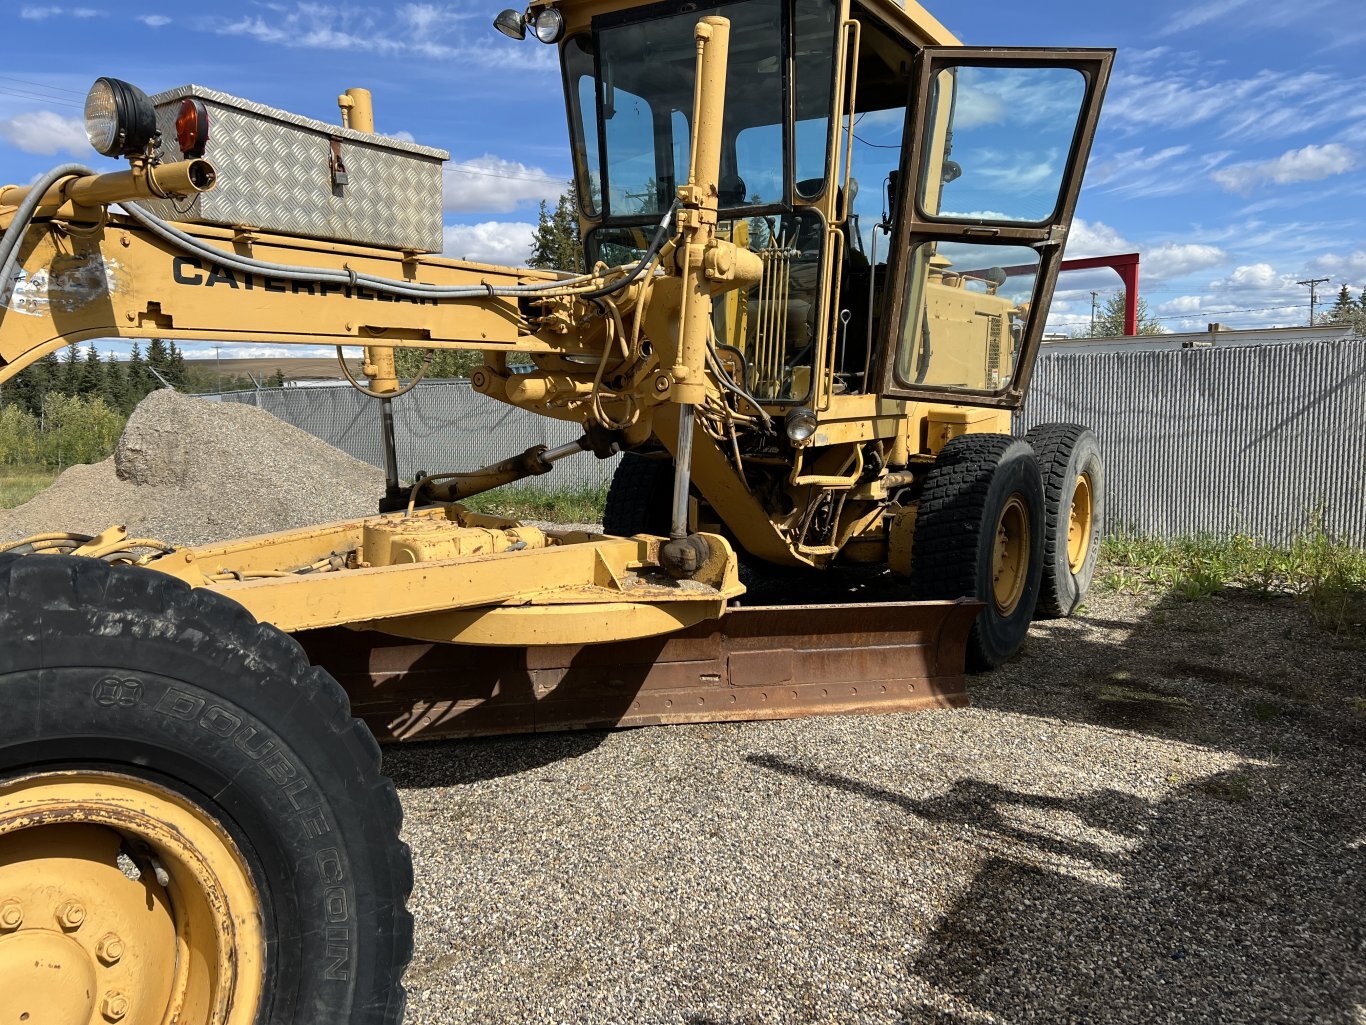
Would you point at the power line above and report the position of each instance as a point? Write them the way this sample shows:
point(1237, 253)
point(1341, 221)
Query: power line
point(50, 100)
point(40, 85)
point(463, 169)
point(1200, 315)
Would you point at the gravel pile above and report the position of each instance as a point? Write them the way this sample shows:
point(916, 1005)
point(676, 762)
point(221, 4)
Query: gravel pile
point(190, 471)
point(1157, 814)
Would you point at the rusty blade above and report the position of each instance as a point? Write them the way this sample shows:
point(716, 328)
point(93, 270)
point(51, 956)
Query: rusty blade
point(760, 662)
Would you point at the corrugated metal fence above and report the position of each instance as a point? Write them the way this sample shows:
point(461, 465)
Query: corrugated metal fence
point(1247, 439)
point(1255, 440)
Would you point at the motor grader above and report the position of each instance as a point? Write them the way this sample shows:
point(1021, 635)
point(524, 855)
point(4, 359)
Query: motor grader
point(793, 321)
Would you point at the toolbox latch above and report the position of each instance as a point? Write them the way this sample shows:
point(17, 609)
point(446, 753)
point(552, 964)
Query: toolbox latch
point(336, 166)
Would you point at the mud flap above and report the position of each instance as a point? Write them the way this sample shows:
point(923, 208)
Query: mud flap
point(761, 662)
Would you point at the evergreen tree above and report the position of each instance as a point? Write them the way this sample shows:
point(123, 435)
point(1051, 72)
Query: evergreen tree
point(1346, 313)
point(557, 244)
point(92, 374)
point(175, 367)
point(140, 381)
point(1110, 319)
point(114, 389)
point(158, 358)
point(1362, 301)
point(276, 380)
point(69, 382)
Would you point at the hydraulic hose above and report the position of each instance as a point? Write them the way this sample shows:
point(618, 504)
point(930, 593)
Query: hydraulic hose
point(574, 286)
point(23, 215)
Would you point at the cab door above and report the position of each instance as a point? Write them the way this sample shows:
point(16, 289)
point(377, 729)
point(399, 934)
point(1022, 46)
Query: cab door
point(996, 147)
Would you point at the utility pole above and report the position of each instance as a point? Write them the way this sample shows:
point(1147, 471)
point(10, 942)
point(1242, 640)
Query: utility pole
point(1095, 298)
point(1313, 286)
point(217, 369)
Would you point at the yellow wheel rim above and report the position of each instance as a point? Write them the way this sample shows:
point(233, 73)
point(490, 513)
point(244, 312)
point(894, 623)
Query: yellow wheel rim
point(1079, 524)
point(121, 903)
point(1010, 558)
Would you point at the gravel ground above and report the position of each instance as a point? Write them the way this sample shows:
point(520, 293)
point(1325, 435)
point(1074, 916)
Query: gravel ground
point(1156, 814)
point(189, 471)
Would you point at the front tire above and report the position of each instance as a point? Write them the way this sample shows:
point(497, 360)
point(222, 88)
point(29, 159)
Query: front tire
point(209, 809)
point(979, 534)
point(640, 497)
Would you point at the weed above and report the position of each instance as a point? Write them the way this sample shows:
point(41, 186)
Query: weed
point(20, 483)
point(1329, 575)
point(569, 505)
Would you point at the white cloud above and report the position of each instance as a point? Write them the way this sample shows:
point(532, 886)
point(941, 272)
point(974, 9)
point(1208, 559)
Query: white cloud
point(154, 20)
point(1198, 14)
point(502, 242)
point(402, 136)
point(1173, 259)
point(421, 30)
point(41, 13)
point(1182, 304)
point(490, 184)
point(1092, 238)
point(1312, 163)
point(45, 133)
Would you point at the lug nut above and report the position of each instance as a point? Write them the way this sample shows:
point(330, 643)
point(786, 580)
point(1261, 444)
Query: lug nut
point(11, 915)
point(115, 1006)
point(70, 915)
point(110, 949)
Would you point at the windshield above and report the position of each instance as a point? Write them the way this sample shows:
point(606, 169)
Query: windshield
point(631, 112)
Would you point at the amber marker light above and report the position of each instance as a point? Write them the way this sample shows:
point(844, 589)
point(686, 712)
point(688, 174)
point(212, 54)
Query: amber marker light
point(192, 127)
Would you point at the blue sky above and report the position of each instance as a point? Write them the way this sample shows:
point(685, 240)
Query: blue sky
point(1231, 154)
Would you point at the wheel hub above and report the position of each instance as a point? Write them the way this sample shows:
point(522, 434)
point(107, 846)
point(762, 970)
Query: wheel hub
point(1010, 556)
point(1079, 524)
point(121, 903)
point(46, 978)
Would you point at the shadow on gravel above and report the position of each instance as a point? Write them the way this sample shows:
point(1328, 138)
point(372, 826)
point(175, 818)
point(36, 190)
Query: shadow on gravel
point(1238, 905)
point(1240, 896)
point(446, 763)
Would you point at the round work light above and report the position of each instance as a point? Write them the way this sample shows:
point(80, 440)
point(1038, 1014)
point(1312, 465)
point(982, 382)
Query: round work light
point(119, 118)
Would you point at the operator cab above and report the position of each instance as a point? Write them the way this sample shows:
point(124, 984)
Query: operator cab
point(902, 199)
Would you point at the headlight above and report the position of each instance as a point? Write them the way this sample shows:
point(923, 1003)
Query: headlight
point(511, 23)
point(119, 118)
point(800, 425)
point(549, 25)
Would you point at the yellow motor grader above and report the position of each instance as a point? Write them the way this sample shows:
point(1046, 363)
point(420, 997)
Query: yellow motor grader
point(193, 827)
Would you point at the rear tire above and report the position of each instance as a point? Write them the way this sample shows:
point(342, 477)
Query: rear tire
point(979, 534)
point(1074, 508)
point(176, 701)
point(640, 498)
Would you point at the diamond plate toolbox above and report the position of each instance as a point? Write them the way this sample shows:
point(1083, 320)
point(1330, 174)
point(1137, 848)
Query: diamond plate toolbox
point(277, 172)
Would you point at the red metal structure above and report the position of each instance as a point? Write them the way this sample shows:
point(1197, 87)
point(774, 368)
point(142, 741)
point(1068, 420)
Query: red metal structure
point(1123, 264)
point(1126, 266)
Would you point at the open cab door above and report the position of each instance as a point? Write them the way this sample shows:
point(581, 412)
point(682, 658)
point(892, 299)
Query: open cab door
point(996, 146)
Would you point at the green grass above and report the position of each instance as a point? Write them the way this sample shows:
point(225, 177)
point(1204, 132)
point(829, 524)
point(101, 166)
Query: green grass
point(20, 483)
point(570, 505)
point(1329, 575)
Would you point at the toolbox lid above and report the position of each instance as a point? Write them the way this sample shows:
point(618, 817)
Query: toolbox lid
point(199, 92)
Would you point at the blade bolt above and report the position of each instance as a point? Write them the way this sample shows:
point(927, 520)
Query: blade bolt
point(70, 915)
point(11, 915)
point(115, 1006)
point(110, 949)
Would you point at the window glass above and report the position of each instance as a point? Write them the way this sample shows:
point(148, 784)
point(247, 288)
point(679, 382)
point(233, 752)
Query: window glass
point(813, 63)
point(998, 142)
point(965, 314)
point(646, 95)
point(578, 70)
